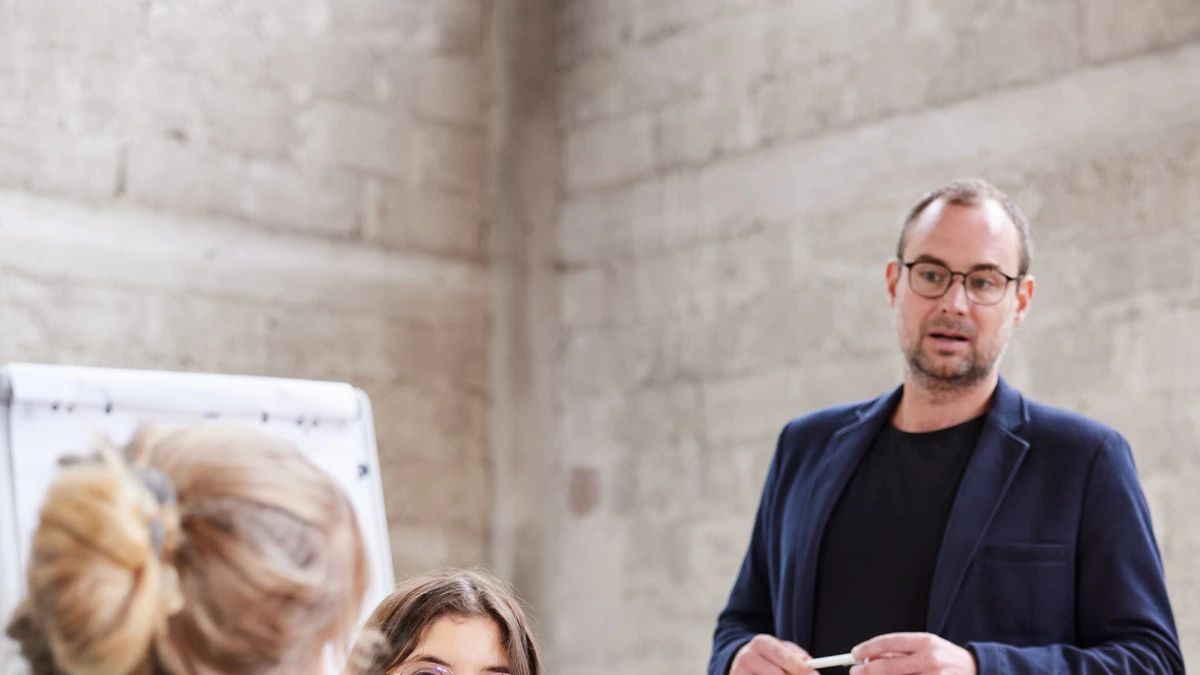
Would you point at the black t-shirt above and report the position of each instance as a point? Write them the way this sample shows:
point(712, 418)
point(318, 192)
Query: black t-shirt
point(883, 537)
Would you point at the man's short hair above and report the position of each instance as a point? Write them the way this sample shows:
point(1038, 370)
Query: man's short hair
point(973, 192)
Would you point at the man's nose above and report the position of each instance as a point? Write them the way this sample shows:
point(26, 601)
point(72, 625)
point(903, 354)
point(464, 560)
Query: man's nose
point(955, 299)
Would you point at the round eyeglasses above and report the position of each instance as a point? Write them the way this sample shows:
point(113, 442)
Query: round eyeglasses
point(932, 280)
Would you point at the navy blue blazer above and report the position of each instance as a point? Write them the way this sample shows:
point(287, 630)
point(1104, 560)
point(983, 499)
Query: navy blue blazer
point(1048, 565)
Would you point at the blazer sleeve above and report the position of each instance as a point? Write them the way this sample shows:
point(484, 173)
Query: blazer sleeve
point(1124, 620)
point(748, 611)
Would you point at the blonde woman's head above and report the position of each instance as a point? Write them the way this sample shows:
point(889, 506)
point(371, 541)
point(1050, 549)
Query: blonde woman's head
point(211, 549)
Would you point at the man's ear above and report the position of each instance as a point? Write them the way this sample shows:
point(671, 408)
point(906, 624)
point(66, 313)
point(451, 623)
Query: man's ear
point(1025, 289)
point(892, 275)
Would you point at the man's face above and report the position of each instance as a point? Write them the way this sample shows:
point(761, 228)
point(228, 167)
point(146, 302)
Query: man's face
point(951, 342)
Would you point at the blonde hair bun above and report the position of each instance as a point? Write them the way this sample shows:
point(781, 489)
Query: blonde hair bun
point(96, 579)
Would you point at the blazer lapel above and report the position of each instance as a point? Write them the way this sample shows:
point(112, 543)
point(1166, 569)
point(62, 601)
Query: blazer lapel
point(846, 448)
point(986, 480)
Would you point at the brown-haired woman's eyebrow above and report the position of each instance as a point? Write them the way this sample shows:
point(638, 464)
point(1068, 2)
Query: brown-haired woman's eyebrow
point(429, 658)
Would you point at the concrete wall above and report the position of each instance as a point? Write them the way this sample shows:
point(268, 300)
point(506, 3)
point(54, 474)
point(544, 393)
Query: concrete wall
point(587, 256)
point(264, 187)
point(734, 175)
point(524, 179)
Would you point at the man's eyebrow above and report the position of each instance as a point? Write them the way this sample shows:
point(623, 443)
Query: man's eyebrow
point(925, 257)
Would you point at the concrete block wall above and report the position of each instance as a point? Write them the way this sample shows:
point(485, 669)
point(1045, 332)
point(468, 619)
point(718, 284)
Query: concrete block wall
point(587, 256)
point(264, 187)
point(734, 174)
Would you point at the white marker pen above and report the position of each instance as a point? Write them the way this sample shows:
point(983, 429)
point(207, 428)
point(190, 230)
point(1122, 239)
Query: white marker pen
point(832, 661)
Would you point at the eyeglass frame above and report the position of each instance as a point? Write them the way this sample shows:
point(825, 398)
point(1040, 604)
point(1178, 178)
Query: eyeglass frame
point(964, 275)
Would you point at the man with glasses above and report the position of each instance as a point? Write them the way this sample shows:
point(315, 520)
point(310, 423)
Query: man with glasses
point(952, 525)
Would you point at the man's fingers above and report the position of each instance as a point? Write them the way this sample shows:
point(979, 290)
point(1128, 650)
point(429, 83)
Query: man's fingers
point(756, 664)
point(797, 659)
point(801, 659)
point(786, 656)
point(753, 659)
point(894, 643)
point(911, 664)
point(798, 650)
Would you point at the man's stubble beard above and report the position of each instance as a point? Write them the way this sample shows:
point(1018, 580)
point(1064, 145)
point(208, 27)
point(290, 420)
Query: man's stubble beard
point(973, 369)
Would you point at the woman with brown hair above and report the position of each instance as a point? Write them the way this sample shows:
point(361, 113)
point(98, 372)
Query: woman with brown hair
point(457, 622)
point(211, 549)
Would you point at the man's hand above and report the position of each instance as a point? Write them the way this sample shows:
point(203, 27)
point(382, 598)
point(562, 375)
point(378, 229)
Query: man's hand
point(912, 654)
point(768, 655)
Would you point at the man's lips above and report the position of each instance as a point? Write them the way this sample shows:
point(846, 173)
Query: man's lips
point(950, 336)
